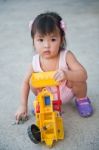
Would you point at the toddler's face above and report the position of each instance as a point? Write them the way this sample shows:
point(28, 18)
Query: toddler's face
point(47, 45)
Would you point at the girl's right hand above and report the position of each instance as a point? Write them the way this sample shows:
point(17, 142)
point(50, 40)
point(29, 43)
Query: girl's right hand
point(21, 113)
point(60, 75)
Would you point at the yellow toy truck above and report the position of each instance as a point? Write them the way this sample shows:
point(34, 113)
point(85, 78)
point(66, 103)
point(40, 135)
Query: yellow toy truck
point(49, 123)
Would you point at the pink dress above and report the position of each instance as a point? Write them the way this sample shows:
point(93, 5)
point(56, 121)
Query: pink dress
point(66, 93)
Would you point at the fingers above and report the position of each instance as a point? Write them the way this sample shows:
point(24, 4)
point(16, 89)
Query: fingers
point(60, 75)
point(20, 117)
point(17, 117)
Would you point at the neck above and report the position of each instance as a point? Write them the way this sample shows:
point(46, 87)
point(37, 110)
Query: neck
point(50, 64)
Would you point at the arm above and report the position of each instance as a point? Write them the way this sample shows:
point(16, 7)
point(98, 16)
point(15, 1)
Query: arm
point(75, 73)
point(22, 111)
point(25, 88)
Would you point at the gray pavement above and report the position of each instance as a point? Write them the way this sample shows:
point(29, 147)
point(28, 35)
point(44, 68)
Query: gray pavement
point(82, 19)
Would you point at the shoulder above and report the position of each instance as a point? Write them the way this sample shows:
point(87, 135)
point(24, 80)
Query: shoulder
point(72, 62)
point(70, 56)
point(69, 53)
point(66, 53)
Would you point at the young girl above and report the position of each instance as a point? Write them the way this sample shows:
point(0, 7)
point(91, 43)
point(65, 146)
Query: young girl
point(48, 34)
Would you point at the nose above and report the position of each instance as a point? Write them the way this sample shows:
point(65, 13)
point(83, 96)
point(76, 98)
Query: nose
point(46, 44)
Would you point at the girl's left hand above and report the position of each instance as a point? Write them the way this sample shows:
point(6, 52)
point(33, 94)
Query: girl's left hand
point(60, 75)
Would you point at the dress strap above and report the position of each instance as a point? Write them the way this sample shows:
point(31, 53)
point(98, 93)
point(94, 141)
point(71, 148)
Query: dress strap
point(62, 60)
point(36, 63)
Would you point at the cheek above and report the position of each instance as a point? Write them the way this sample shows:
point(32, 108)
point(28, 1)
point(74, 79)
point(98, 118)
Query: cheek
point(55, 51)
point(57, 47)
point(58, 43)
point(37, 45)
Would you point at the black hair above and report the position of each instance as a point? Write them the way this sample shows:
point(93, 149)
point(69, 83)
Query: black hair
point(47, 23)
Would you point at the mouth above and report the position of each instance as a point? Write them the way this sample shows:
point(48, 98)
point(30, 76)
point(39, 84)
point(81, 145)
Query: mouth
point(47, 52)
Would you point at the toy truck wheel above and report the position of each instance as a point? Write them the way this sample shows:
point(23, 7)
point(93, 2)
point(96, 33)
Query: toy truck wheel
point(34, 133)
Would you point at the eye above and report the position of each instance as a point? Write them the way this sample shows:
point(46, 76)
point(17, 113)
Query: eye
point(41, 40)
point(53, 39)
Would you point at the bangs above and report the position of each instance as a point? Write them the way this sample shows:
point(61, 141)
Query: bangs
point(45, 26)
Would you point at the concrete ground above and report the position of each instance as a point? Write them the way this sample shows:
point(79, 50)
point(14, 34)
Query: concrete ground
point(82, 19)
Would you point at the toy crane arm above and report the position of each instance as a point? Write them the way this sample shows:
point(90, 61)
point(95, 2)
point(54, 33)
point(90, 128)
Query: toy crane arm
point(43, 79)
